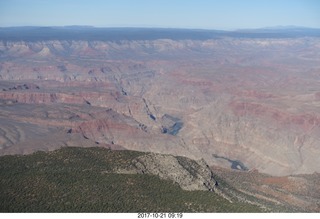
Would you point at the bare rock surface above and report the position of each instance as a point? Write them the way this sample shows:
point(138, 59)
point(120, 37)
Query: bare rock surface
point(189, 174)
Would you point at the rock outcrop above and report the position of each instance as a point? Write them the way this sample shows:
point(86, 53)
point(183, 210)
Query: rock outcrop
point(189, 174)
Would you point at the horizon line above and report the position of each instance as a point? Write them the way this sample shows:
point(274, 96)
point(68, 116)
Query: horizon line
point(278, 27)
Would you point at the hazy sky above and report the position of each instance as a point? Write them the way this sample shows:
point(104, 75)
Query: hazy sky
point(209, 14)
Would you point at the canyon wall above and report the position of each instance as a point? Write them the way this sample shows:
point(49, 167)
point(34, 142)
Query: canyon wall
point(241, 103)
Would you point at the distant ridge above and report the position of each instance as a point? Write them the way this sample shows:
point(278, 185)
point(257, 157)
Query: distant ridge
point(119, 34)
point(291, 30)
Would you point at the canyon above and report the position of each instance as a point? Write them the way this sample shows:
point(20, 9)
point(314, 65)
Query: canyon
point(239, 100)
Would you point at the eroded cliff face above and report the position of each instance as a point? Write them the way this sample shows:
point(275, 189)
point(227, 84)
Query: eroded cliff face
point(239, 103)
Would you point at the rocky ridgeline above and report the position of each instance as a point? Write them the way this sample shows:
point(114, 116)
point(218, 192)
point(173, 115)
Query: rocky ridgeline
point(189, 174)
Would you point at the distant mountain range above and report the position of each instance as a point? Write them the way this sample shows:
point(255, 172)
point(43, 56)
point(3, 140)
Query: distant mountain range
point(118, 34)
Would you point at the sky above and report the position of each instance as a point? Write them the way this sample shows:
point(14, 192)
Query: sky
point(202, 14)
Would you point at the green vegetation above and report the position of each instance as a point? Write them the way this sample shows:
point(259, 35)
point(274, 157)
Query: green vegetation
point(81, 180)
